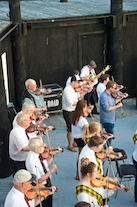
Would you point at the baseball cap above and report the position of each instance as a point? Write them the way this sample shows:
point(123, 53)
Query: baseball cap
point(22, 176)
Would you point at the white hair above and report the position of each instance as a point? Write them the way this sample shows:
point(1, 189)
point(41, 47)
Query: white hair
point(21, 117)
point(34, 143)
point(27, 106)
point(29, 82)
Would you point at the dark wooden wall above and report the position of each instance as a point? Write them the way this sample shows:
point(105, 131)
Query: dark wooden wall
point(52, 49)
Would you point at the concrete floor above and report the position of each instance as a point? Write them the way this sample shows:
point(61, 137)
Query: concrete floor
point(66, 161)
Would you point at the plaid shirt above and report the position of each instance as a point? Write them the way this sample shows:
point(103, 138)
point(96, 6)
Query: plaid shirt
point(91, 192)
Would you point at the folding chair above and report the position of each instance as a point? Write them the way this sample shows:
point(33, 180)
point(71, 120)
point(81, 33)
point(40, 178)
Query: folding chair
point(114, 160)
point(125, 171)
point(11, 112)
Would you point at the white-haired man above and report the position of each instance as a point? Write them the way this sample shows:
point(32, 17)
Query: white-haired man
point(30, 96)
point(35, 164)
point(27, 108)
point(16, 196)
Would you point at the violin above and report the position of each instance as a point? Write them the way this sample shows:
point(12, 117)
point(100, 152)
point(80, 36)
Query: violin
point(106, 182)
point(43, 91)
point(35, 127)
point(106, 153)
point(83, 87)
point(118, 94)
point(38, 116)
point(43, 127)
point(47, 152)
point(106, 135)
point(89, 109)
point(33, 191)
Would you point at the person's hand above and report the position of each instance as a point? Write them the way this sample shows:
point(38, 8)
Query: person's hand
point(59, 149)
point(119, 155)
point(49, 90)
point(119, 105)
point(49, 128)
point(116, 180)
point(44, 108)
point(120, 187)
point(125, 95)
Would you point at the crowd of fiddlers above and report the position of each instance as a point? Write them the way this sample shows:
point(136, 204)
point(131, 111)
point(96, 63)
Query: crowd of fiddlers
point(31, 159)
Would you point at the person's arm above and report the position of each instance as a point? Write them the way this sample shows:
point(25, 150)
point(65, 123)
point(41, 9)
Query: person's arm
point(125, 95)
point(105, 104)
point(49, 192)
point(74, 103)
point(111, 108)
point(45, 176)
point(44, 108)
point(26, 149)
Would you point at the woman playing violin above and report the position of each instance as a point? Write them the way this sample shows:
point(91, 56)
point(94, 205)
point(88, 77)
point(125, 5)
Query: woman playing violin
point(85, 190)
point(91, 130)
point(94, 129)
point(36, 165)
point(78, 123)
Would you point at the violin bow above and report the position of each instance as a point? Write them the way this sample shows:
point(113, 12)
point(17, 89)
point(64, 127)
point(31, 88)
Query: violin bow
point(38, 187)
point(122, 111)
point(35, 118)
point(50, 150)
point(92, 116)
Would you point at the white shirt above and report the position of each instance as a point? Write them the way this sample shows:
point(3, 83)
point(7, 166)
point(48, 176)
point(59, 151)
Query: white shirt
point(15, 198)
point(14, 123)
point(85, 71)
point(85, 197)
point(69, 79)
point(69, 96)
point(100, 89)
point(77, 130)
point(34, 165)
point(90, 154)
point(17, 141)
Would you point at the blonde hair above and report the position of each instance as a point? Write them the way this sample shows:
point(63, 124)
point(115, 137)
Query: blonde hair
point(93, 127)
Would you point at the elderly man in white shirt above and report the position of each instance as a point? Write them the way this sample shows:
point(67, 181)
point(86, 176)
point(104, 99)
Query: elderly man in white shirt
point(35, 164)
point(27, 108)
point(16, 196)
point(18, 143)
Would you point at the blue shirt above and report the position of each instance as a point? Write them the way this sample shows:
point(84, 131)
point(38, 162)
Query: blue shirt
point(38, 99)
point(106, 100)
